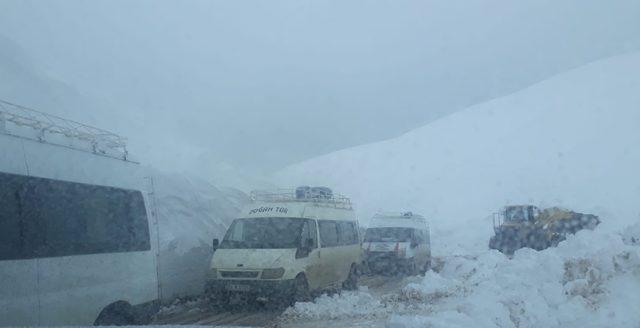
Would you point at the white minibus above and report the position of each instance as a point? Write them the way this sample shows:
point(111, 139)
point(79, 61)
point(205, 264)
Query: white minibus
point(288, 244)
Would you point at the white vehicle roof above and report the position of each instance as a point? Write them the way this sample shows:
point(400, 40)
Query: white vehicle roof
point(399, 220)
point(284, 203)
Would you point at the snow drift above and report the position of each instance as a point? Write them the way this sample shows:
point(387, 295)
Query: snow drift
point(569, 141)
point(191, 212)
point(591, 280)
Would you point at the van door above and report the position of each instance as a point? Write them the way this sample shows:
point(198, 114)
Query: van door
point(18, 266)
point(330, 260)
point(349, 247)
point(94, 249)
point(314, 265)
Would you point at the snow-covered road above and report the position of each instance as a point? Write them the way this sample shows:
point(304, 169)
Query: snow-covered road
point(198, 312)
point(590, 280)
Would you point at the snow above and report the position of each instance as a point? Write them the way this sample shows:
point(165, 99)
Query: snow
point(569, 141)
point(191, 213)
point(575, 285)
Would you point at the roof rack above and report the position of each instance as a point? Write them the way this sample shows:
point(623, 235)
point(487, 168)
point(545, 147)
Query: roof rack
point(27, 123)
point(289, 195)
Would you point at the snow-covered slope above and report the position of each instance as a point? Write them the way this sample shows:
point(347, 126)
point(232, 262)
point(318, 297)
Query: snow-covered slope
point(571, 141)
point(191, 212)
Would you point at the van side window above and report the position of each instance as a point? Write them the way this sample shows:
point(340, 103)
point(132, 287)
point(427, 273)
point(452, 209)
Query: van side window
point(418, 236)
point(12, 237)
point(347, 233)
point(309, 231)
point(59, 218)
point(328, 233)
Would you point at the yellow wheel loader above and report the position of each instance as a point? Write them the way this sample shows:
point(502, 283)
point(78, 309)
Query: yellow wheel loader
point(527, 226)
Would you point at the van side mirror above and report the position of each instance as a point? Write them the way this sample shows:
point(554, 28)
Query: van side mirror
point(309, 244)
point(414, 243)
point(216, 243)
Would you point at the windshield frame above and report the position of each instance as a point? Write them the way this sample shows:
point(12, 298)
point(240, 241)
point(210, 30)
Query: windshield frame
point(280, 238)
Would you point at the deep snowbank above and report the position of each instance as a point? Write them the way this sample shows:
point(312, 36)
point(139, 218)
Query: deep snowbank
point(590, 280)
point(569, 141)
point(191, 212)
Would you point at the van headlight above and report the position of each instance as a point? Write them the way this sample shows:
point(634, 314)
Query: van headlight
point(212, 274)
point(272, 273)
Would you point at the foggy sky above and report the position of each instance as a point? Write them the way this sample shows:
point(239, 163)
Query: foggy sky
point(262, 84)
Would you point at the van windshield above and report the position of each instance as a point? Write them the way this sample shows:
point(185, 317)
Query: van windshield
point(388, 235)
point(264, 233)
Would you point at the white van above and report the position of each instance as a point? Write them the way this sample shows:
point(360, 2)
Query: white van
point(76, 244)
point(288, 244)
point(397, 241)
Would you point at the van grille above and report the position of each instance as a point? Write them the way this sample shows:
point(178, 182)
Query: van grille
point(239, 274)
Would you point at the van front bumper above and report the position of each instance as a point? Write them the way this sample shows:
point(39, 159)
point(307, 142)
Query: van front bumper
point(266, 288)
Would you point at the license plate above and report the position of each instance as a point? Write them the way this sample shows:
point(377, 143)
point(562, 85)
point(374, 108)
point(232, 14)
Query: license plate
point(382, 247)
point(238, 288)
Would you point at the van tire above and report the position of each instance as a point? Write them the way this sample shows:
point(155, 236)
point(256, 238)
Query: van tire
point(119, 313)
point(427, 266)
point(219, 300)
point(413, 269)
point(301, 292)
point(352, 280)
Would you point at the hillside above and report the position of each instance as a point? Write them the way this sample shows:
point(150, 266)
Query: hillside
point(569, 141)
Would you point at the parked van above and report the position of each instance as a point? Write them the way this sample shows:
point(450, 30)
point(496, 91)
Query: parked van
point(77, 245)
point(288, 244)
point(397, 242)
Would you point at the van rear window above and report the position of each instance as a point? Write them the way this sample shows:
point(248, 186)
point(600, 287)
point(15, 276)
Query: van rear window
point(388, 235)
point(50, 218)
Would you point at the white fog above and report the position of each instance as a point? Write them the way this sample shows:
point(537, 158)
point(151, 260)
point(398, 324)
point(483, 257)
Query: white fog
point(320, 163)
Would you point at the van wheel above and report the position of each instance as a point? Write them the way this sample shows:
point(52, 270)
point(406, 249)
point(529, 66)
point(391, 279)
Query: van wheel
point(301, 291)
point(412, 270)
point(425, 267)
point(352, 280)
point(119, 313)
point(219, 300)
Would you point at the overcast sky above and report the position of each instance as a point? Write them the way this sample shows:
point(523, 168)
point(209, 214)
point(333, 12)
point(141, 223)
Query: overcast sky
point(261, 84)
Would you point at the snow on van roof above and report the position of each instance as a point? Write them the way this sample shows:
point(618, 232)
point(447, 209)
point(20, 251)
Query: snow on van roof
point(294, 196)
